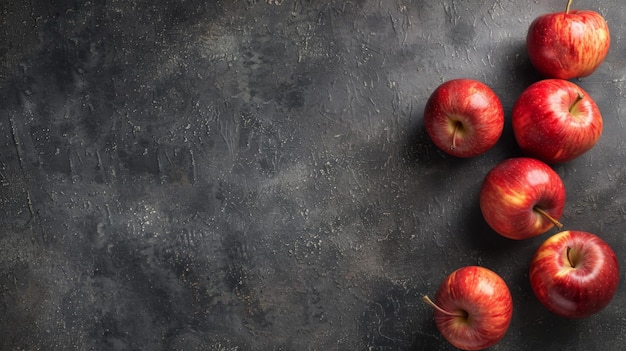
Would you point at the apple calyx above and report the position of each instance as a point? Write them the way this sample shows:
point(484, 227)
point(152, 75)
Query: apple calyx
point(573, 106)
point(550, 218)
point(461, 314)
point(569, 3)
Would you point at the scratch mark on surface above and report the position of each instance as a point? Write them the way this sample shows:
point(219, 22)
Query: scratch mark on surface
point(193, 166)
point(228, 134)
point(101, 166)
point(20, 158)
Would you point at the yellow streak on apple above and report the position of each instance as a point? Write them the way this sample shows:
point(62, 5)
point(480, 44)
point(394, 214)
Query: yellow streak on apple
point(552, 241)
point(514, 198)
point(541, 254)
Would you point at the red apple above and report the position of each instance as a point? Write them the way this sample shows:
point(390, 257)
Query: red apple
point(570, 44)
point(522, 197)
point(556, 121)
point(574, 274)
point(473, 308)
point(464, 117)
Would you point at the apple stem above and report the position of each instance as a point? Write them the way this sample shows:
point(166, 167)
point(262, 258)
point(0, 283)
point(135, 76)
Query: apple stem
point(435, 306)
point(457, 125)
point(569, 257)
point(569, 3)
point(578, 99)
point(550, 218)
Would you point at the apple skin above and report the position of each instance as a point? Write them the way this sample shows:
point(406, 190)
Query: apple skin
point(570, 44)
point(464, 117)
point(577, 291)
point(515, 191)
point(483, 299)
point(545, 127)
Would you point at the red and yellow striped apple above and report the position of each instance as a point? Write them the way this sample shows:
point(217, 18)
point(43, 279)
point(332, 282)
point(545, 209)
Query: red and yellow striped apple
point(556, 121)
point(464, 117)
point(574, 274)
point(473, 308)
point(522, 197)
point(569, 44)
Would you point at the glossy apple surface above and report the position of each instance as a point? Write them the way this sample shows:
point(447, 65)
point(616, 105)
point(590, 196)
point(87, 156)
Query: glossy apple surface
point(473, 308)
point(464, 117)
point(522, 197)
point(569, 44)
point(574, 274)
point(556, 121)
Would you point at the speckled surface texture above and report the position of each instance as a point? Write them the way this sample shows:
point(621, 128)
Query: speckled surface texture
point(254, 175)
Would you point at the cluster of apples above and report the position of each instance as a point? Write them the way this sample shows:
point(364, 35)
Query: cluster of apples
point(574, 274)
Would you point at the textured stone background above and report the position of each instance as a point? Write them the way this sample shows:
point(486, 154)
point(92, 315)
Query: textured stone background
point(254, 175)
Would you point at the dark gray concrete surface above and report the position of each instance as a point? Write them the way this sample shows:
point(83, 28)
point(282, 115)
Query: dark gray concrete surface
point(254, 175)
